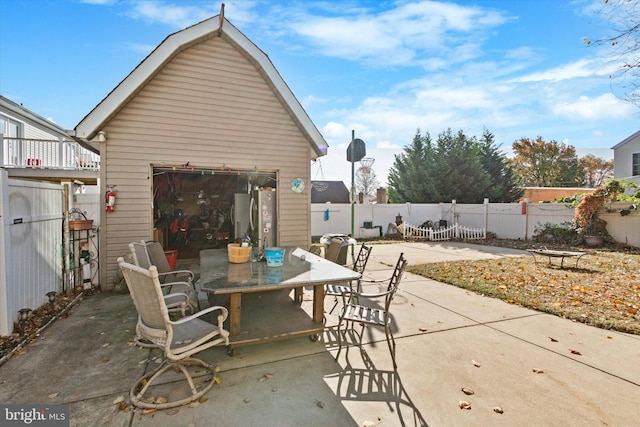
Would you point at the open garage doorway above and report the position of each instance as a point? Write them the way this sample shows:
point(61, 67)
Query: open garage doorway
point(199, 208)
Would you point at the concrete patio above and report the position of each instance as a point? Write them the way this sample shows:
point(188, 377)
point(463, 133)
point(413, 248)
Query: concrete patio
point(447, 339)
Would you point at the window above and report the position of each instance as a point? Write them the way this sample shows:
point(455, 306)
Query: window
point(635, 164)
point(9, 128)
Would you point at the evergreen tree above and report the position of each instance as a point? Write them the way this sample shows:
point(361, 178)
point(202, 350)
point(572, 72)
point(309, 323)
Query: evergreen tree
point(504, 188)
point(409, 177)
point(459, 165)
point(455, 167)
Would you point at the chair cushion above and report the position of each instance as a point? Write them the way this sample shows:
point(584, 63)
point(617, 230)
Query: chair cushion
point(186, 334)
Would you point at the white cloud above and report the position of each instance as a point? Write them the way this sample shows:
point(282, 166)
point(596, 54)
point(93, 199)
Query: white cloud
point(577, 69)
point(410, 34)
point(605, 106)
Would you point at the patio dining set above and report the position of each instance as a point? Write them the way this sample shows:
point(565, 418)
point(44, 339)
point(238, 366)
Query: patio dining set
point(249, 303)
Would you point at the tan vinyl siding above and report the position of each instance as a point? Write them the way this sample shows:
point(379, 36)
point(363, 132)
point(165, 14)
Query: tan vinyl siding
point(208, 106)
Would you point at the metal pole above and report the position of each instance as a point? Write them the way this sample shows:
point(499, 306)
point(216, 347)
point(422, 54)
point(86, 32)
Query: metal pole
point(353, 186)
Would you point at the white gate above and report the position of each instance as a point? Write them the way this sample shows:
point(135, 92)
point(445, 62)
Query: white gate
point(31, 245)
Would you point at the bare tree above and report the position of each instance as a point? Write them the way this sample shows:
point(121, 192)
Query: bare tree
point(624, 44)
point(366, 182)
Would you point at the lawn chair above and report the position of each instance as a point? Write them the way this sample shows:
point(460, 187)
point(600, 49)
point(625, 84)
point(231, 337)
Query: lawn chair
point(146, 254)
point(338, 289)
point(358, 307)
point(179, 339)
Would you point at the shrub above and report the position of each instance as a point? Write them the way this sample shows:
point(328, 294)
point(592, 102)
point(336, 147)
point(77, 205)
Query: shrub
point(564, 233)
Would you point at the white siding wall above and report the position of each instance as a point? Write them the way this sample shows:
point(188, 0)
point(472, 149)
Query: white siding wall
point(209, 106)
point(622, 158)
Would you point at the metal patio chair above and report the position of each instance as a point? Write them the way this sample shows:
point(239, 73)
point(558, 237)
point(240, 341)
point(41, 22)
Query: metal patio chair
point(174, 282)
point(360, 307)
point(359, 265)
point(180, 339)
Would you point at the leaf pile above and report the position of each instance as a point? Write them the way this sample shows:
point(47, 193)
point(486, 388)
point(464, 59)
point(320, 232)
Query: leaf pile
point(37, 319)
point(603, 292)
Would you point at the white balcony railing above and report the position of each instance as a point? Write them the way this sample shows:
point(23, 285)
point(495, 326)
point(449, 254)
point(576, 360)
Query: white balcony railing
point(46, 154)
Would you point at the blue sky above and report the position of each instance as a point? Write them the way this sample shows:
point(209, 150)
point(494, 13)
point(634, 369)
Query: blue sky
point(381, 68)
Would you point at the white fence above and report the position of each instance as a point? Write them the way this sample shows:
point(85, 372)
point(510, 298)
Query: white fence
point(31, 245)
point(505, 220)
point(455, 231)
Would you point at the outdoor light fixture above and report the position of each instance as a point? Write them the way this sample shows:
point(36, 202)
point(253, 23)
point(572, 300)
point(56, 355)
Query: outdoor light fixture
point(23, 315)
point(52, 297)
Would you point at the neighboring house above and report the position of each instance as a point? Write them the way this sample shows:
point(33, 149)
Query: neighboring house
point(626, 158)
point(205, 117)
point(36, 148)
point(40, 180)
point(329, 191)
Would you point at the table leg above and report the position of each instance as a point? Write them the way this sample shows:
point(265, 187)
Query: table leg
point(235, 301)
point(318, 303)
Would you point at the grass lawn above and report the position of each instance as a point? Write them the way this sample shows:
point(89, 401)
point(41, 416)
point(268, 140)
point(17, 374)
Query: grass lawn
point(604, 290)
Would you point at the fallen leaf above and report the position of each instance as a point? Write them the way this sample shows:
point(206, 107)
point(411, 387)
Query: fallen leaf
point(462, 404)
point(476, 364)
point(467, 391)
point(265, 377)
point(553, 339)
point(538, 371)
point(498, 410)
point(575, 352)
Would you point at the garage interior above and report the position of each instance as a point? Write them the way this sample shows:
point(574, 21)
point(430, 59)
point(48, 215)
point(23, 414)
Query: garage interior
point(207, 208)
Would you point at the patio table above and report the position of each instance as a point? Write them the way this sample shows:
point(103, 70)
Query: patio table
point(258, 312)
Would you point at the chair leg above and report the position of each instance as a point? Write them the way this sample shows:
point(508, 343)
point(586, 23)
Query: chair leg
point(339, 339)
point(138, 397)
point(391, 342)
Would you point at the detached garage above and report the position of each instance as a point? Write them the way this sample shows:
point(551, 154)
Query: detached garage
point(195, 141)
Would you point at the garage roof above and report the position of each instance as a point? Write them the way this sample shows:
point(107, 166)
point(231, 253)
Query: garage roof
point(93, 122)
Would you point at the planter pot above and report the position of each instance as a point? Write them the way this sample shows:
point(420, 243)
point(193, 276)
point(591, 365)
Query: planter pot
point(593, 241)
point(84, 224)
